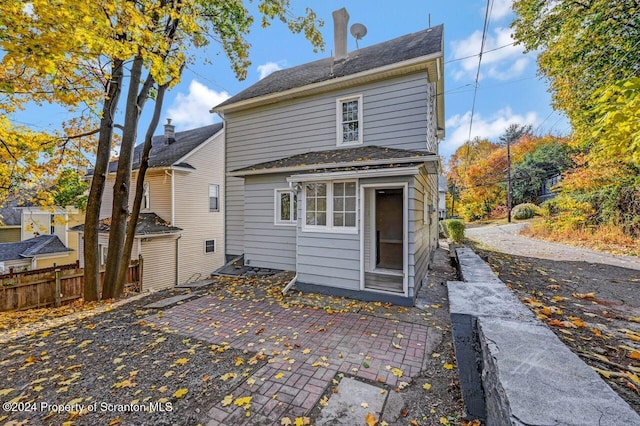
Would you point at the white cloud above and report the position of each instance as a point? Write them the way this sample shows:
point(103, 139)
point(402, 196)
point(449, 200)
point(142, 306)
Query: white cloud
point(457, 127)
point(500, 9)
point(269, 67)
point(504, 63)
point(192, 110)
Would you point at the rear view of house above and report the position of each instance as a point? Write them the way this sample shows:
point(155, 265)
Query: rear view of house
point(332, 167)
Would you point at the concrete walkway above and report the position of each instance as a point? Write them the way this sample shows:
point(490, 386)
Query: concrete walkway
point(505, 238)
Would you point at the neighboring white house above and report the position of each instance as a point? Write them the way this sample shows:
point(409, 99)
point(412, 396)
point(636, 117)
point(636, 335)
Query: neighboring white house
point(180, 232)
point(332, 167)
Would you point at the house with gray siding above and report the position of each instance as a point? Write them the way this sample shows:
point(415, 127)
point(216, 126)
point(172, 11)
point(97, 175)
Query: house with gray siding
point(332, 167)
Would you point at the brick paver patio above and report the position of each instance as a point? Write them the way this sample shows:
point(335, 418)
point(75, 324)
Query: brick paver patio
point(305, 349)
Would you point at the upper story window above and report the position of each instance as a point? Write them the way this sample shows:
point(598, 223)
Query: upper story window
point(330, 206)
point(146, 198)
point(286, 207)
point(214, 198)
point(349, 120)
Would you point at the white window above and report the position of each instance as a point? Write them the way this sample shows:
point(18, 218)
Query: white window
point(316, 204)
point(214, 198)
point(286, 207)
point(210, 246)
point(344, 204)
point(330, 206)
point(349, 120)
point(146, 200)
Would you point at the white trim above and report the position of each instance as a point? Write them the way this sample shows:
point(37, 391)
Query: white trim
point(199, 147)
point(359, 174)
point(276, 208)
point(421, 159)
point(339, 134)
point(215, 246)
point(329, 227)
point(400, 68)
point(405, 236)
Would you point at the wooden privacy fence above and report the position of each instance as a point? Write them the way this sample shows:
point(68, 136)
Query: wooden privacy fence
point(54, 286)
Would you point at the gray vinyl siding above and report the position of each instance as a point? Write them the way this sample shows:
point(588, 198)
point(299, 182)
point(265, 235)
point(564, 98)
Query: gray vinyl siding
point(423, 237)
point(396, 113)
point(329, 259)
point(266, 244)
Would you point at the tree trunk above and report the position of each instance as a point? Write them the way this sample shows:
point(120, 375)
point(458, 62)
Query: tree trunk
point(135, 213)
point(120, 210)
point(92, 215)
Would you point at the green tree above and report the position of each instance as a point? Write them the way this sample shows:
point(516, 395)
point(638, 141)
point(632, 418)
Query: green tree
point(89, 53)
point(584, 46)
point(530, 175)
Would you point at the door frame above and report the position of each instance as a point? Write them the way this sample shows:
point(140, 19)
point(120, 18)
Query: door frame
point(405, 232)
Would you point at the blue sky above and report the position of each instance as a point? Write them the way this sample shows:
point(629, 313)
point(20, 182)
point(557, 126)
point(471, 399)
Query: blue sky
point(509, 90)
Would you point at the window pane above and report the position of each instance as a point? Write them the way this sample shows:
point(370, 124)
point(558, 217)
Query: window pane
point(338, 219)
point(350, 189)
point(350, 204)
point(311, 204)
point(213, 191)
point(321, 205)
point(350, 219)
point(338, 188)
point(285, 206)
point(213, 204)
point(311, 218)
point(338, 204)
point(321, 219)
point(321, 189)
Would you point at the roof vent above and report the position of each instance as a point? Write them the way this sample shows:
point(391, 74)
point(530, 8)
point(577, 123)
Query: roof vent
point(169, 132)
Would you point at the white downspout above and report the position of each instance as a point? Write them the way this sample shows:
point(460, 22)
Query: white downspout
point(295, 277)
point(173, 191)
point(178, 259)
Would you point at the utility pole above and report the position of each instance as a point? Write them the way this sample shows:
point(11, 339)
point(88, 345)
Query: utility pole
point(509, 180)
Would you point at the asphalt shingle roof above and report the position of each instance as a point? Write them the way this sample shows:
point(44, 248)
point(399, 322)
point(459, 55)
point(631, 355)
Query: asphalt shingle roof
point(164, 154)
point(400, 49)
point(337, 156)
point(42, 244)
point(148, 223)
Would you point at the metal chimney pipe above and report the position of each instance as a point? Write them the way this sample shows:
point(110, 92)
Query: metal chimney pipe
point(340, 23)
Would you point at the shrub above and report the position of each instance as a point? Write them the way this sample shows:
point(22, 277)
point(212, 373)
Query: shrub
point(455, 229)
point(524, 211)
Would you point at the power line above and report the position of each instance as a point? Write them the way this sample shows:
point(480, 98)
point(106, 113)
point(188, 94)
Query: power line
point(475, 90)
point(477, 54)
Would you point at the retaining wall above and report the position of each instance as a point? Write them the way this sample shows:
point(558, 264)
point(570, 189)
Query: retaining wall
point(513, 369)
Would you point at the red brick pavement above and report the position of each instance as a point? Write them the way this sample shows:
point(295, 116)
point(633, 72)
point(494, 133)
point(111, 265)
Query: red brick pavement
point(305, 348)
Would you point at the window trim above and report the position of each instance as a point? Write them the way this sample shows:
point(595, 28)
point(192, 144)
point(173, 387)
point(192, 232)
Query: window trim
point(339, 134)
point(329, 227)
point(217, 209)
point(146, 196)
point(215, 246)
point(276, 208)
